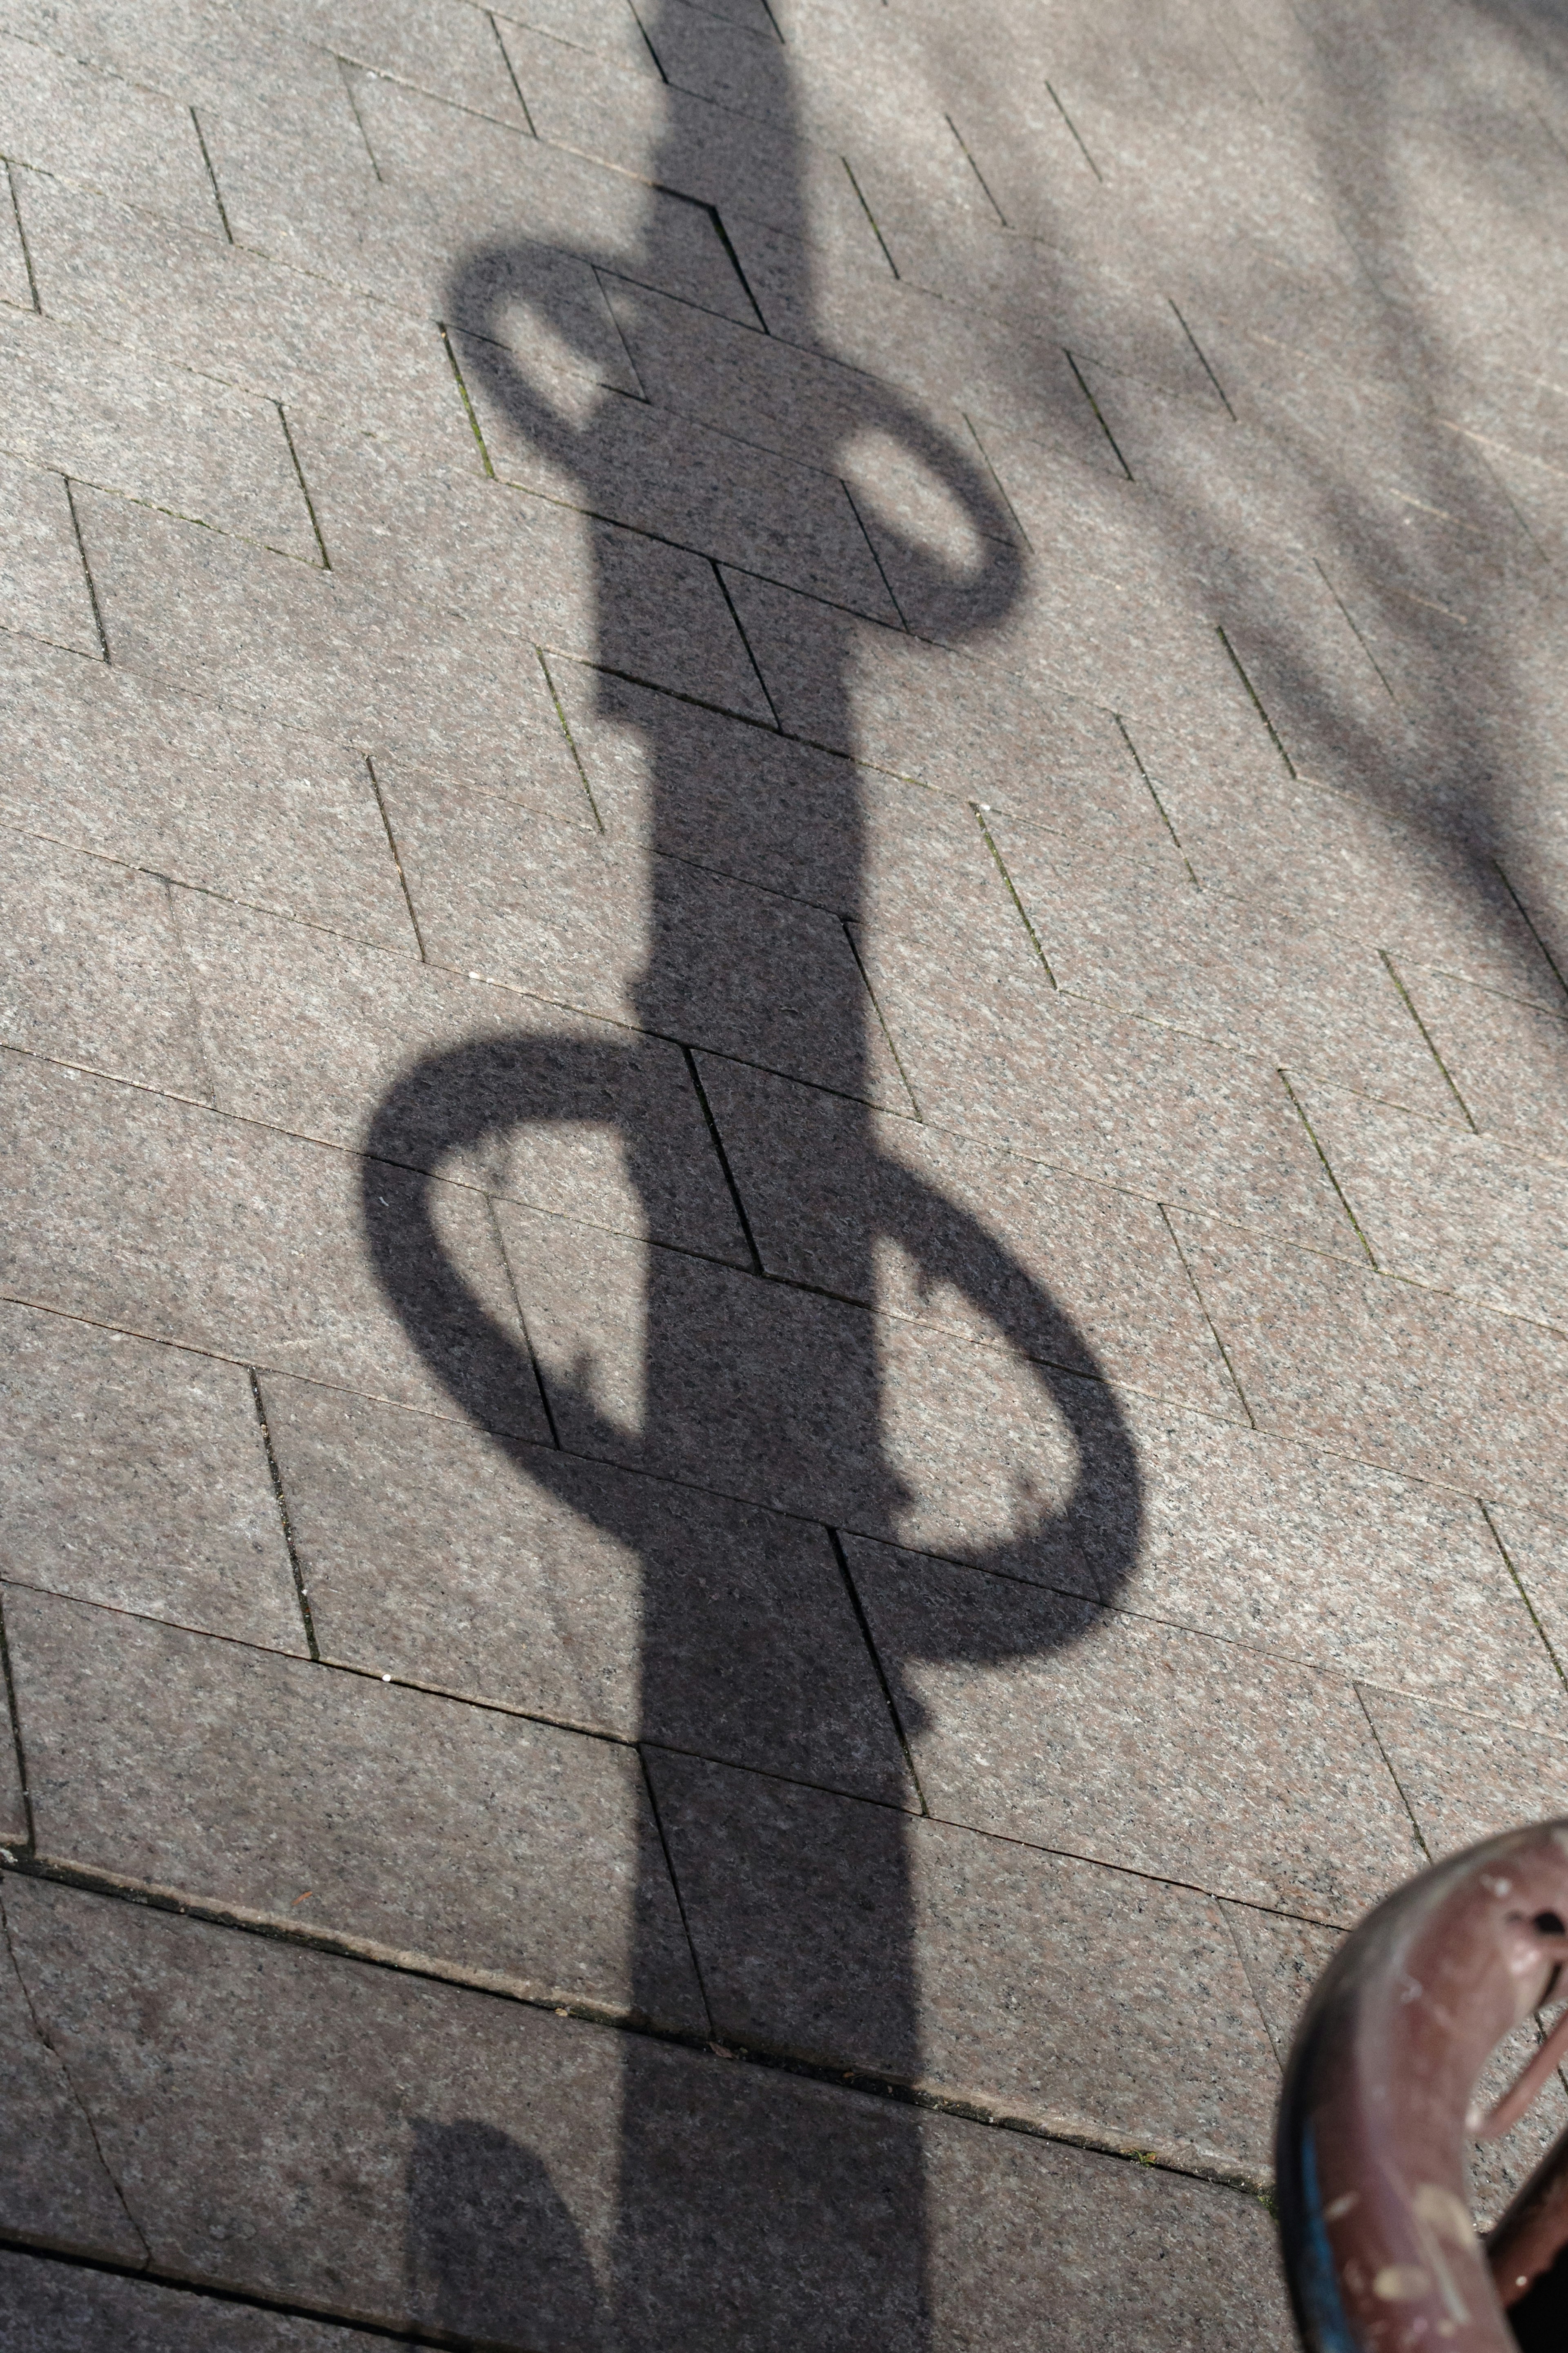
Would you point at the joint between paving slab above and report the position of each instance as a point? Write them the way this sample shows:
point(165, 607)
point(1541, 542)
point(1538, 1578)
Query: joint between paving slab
point(512, 74)
point(717, 1141)
point(675, 1889)
point(22, 233)
point(1519, 1586)
point(718, 571)
point(648, 43)
point(1350, 622)
point(1274, 735)
point(882, 1017)
point(963, 149)
point(468, 408)
point(1152, 792)
point(998, 483)
point(396, 857)
point(86, 568)
point(58, 2057)
point(217, 2292)
point(345, 73)
point(571, 742)
point(871, 551)
point(853, 1591)
point(722, 234)
point(1074, 2131)
point(1393, 973)
point(1529, 925)
point(1300, 1110)
point(527, 1335)
point(981, 811)
point(1080, 381)
point(14, 1722)
point(1072, 126)
point(1388, 1767)
point(1203, 361)
point(870, 215)
point(212, 176)
point(296, 1567)
point(1208, 1319)
point(304, 485)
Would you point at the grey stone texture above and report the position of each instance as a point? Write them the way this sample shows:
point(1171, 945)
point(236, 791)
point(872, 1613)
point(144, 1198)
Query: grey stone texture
point(783, 1025)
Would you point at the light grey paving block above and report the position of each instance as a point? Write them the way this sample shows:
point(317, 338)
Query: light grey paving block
point(559, 911)
point(1417, 1380)
point(359, 1047)
point(1507, 1058)
point(1468, 1214)
point(91, 970)
point(308, 646)
point(1237, 972)
point(696, 1372)
point(178, 441)
point(51, 2307)
point(16, 280)
point(99, 758)
point(130, 141)
point(136, 1476)
point(43, 587)
point(465, 218)
point(1043, 1988)
point(1304, 1553)
point(296, 1792)
point(180, 300)
point(610, 31)
point(54, 2186)
point(571, 1590)
point(1037, 1716)
point(525, 568)
point(165, 1219)
point(928, 1227)
point(456, 2162)
point(439, 45)
point(1004, 1058)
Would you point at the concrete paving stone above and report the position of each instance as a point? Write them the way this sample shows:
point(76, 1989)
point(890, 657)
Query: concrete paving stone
point(1463, 1213)
point(454, 2161)
point(1245, 974)
point(16, 282)
point(479, 199)
point(527, 569)
point(682, 481)
point(91, 970)
point(728, 795)
point(324, 1037)
point(416, 1823)
point(1294, 1550)
point(154, 779)
point(1432, 1386)
point(135, 1476)
point(1011, 1062)
point(1505, 1057)
point(1284, 1958)
point(442, 46)
point(575, 1591)
point(48, 2307)
point(132, 142)
point(54, 2186)
point(613, 31)
point(163, 292)
point(253, 1250)
point(177, 441)
point(1036, 1716)
point(1140, 2025)
point(958, 724)
point(732, 58)
point(1423, 893)
point(43, 587)
point(698, 1373)
point(933, 1229)
point(563, 914)
point(14, 1824)
point(317, 650)
point(736, 161)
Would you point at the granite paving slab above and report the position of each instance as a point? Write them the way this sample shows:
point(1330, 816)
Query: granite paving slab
point(43, 589)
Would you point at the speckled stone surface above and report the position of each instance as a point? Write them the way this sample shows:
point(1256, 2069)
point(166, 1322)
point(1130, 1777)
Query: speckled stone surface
point(782, 1040)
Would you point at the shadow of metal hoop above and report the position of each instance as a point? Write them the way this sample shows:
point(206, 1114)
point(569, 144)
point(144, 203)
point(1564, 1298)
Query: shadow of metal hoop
point(1378, 2111)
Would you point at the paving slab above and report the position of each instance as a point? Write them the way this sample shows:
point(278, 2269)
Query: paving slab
point(91, 970)
point(1503, 1054)
point(255, 1254)
point(455, 2159)
point(134, 143)
point(52, 2307)
point(1134, 2021)
point(1035, 1716)
point(413, 1825)
point(576, 1591)
point(44, 589)
point(136, 1476)
point(178, 786)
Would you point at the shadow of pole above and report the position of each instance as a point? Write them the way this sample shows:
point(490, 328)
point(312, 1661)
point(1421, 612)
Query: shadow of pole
point(735, 2230)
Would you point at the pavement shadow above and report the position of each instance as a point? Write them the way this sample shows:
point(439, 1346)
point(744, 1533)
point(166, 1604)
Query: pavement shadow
point(747, 2217)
